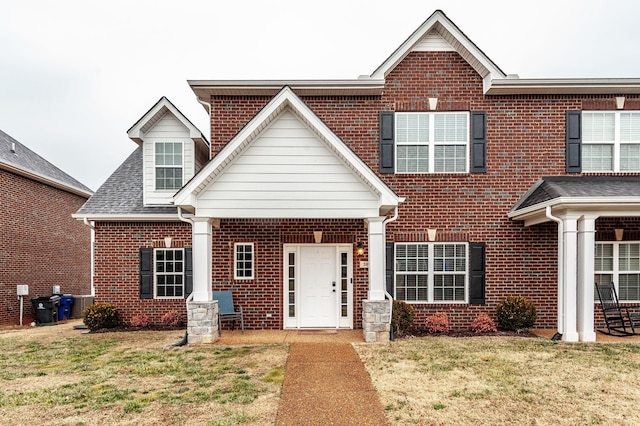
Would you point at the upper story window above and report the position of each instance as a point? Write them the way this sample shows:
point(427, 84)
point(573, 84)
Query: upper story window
point(611, 141)
point(432, 142)
point(431, 272)
point(168, 165)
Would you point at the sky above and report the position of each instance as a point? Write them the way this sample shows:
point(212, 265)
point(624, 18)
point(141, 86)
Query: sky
point(75, 75)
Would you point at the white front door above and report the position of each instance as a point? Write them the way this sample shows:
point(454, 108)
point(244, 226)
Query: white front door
point(318, 286)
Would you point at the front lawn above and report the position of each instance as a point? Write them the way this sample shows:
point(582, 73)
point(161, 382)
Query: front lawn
point(505, 380)
point(136, 378)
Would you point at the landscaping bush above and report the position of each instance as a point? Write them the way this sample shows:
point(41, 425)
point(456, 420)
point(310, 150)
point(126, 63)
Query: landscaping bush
point(516, 313)
point(142, 320)
point(437, 323)
point(401, 316)
point(483, 324)
point(172, 319)
point(101, 315)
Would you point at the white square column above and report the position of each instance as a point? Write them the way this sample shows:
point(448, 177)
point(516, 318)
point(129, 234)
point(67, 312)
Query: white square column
point(569, 313)
point(377, 286)
point(201, 237)
point(586, 248)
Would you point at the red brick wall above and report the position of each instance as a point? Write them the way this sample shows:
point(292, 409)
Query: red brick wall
point(525, 141)
point(40, 244)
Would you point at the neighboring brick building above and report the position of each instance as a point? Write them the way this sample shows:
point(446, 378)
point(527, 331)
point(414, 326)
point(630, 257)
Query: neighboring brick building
point(41, 245)
point(437, 180)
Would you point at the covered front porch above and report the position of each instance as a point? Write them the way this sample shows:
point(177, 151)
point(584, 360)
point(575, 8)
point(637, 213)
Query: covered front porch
point(583, 206)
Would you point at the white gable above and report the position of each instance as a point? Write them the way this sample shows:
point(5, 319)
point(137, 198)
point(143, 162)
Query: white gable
point(286, 163)
point(433, 42)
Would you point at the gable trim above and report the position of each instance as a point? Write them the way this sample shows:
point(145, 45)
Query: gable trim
point(286, 98)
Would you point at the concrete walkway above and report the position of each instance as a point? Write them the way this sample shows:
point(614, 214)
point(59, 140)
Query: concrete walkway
point(326, 384)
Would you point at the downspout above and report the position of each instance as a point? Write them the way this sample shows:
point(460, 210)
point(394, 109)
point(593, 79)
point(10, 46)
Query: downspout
point(182, 218)
point(185, 339)
point(386, 293)
point(561, 283)
point(85, 220)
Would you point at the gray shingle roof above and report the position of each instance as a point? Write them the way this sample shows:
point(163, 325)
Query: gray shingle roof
point(549, 188)
point(28, 161)
point(122, 193)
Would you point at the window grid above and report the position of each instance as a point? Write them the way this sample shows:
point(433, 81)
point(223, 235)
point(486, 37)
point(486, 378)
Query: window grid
point(619, 262)
point(430, 142)
point(431, 272)
point(344, 285)
point(169, 272)
point(611, 141)
point(243, 261)
point(291, 282)
point(168, 159)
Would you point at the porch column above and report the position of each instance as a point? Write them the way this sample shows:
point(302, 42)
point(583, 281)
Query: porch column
point(570, 279)
point(586, 248)
point(201, 235)
point(202, 311)
point(377, 274)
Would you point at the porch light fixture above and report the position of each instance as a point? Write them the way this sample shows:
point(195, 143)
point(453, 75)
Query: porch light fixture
point(317, 236)
point(360, 249)
point(167, 242)
point(619, 233)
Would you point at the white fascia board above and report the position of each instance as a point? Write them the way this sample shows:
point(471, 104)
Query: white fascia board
point(13, 168)
point(563, 86)
point(286, 97)
point(604, 206)
point(438, 17)
point(127, 217)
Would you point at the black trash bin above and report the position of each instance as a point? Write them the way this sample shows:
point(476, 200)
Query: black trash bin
point(45, 309)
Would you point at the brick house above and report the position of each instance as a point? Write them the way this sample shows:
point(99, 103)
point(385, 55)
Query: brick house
point(438, 180)
point(41, 245)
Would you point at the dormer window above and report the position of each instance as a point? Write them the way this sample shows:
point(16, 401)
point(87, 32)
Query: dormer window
point(169, 166)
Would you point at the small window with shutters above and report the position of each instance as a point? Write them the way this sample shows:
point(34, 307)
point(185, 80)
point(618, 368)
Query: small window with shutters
point(165, 273)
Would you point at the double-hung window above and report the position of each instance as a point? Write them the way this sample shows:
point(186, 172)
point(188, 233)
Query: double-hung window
point(243, 261)
point(611, 141)
point(431, 272)
point(432, 142)
point(169, 272)
point(619, 262)
point(168, 165)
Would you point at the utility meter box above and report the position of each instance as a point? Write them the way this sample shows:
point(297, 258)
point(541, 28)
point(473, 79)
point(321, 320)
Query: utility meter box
point(22, 290)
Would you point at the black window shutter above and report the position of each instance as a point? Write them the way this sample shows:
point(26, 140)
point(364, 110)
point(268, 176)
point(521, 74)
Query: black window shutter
point(188, 271)
point(390, 278)
point(574, 142)
point(478, 142)
point(387, 136)
point(146, 273)
point(477, 274)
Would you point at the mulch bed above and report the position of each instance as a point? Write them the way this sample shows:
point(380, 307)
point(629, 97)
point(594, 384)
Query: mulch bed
point(462, 333)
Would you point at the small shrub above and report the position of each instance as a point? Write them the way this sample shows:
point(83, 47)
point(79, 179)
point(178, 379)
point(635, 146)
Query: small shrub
point(172, 319)
point(101, 315)
point(437, 323)
point(483, 324)
point(142, 320)
point(516, 313)
point(401, 316)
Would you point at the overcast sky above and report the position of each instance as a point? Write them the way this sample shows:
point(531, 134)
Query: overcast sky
point(76, 74)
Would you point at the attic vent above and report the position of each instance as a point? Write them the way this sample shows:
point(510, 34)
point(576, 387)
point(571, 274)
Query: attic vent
point(13, 147)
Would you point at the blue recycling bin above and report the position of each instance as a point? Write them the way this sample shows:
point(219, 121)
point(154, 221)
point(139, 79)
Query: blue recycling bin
point(64, 311)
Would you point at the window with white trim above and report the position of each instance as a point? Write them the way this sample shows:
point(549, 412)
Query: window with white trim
point(611, 141)
point(168, 165)
point(431, 272)
point(169, 272)
point(619, 262)
point(243, 261)
point(432, 142)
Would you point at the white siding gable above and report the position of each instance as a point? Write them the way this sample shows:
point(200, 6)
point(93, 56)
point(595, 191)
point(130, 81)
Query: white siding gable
point(166, 129)
point(433, 42)
point(288, 171)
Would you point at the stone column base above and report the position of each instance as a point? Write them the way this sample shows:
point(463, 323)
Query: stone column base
point(376, 320)
point(202, 322)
